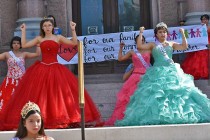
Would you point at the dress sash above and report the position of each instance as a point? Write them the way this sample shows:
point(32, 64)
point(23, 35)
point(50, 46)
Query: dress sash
point(163, 52)
point(146, 65)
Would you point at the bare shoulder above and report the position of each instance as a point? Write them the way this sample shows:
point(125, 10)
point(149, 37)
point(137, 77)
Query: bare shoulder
point(6, 55)
point(59, 36)
point(151, 45)
point(39, 38)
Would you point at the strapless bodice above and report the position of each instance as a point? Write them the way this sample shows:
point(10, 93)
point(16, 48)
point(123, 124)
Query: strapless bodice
point(138, 66)
point(158, 56)
point(49, 50)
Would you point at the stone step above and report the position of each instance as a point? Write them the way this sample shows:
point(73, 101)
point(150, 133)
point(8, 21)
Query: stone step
point(151, 132)
point(103, 78)
point(104, 96)
point(204, 86)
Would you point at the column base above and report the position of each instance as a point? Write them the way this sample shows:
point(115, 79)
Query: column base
point(193, 18)
point(32, 27)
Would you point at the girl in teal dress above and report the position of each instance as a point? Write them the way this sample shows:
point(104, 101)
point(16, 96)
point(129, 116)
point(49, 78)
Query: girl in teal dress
point(165, 95)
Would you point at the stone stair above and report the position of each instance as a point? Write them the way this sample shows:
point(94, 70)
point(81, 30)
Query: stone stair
point(103, 90)
point(204, 86)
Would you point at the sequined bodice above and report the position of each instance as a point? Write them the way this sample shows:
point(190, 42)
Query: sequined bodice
point(49, 50)
point(158, 56)
point(14, 70)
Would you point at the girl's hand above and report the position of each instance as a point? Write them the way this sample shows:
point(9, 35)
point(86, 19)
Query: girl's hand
point(122, 44)
point(72, 25)
point(141, 29)
point(181, 30)
point(23, 27)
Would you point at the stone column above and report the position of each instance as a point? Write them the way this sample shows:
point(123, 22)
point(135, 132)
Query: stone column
point(8, 16)
point(195, 10)
point(30, 12)
point(30, 8)
point(155, 12)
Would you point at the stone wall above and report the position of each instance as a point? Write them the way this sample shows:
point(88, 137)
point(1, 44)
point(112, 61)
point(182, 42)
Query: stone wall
point(58, 8)
point(168, 12)
point(8, 17)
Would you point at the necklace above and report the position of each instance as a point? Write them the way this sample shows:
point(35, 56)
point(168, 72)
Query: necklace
point(164, 43)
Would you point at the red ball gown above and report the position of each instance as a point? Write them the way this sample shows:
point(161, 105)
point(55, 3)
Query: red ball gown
point(54, 88)
point(196, 63)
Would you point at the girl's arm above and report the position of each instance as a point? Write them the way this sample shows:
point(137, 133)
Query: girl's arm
point(32, 55)
point(73, 40)
point(140, 45)
point(126, 56)
point(3, 56)
point(24, 43)
point(184, 44)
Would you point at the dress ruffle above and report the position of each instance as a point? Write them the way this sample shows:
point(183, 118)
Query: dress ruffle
point(196, 64)
point(128, 88)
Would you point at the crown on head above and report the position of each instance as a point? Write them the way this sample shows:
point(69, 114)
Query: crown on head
point(28, 107)
point(46, 18)
point(161, 24)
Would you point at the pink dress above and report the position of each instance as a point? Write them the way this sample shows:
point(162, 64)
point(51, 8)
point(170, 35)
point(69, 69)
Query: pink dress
point(123, 96)
point(7, 87)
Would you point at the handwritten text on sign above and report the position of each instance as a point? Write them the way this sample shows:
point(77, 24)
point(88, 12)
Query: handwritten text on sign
point(105, 47)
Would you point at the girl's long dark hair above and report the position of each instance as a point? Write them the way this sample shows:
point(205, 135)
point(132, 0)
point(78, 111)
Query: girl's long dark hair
point(51, 16)
point(42, 33)
point(22, 131)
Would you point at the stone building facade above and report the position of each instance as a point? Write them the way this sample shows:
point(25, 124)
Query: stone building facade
point(14, 12)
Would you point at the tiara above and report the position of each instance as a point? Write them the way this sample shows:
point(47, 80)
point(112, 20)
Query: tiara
point(161, 24)
point(28, 107)
point(48, 18)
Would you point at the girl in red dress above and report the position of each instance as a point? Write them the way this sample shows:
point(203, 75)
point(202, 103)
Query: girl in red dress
point(50, 85)
point(16, 68)
point(196, 63)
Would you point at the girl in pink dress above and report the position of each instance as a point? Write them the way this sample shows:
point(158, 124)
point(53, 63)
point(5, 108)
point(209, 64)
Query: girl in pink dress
point(16, 68)
point(141, 61)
